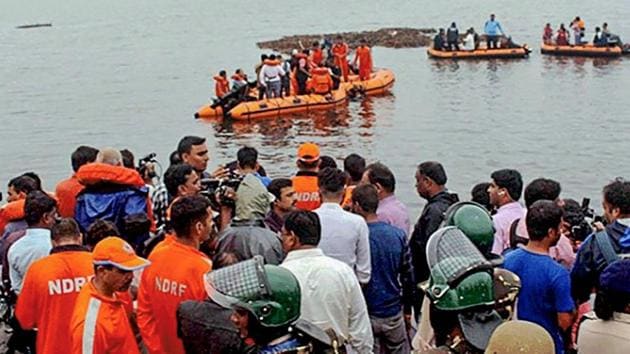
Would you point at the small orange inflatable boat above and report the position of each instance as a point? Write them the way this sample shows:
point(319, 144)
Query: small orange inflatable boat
point(481, 53)
point(208, 111)
point(587, 50)
point(275, 107)
point(379, 83)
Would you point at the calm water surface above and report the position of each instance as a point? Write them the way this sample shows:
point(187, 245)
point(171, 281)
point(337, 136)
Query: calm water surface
point(130, 74)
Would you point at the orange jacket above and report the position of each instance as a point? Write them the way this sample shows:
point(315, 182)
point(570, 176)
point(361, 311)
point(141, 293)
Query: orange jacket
point(320, 82)
point(221, 86)
point(307, 190)
point(347, 196)
point(99, 324)
point(11, 212)
point(50, 290)
point(175, 275)
point(364, 57)
point(66, 193)
point(317, 56)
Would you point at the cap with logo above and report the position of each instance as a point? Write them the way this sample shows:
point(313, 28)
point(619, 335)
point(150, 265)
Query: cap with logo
point(116, 252)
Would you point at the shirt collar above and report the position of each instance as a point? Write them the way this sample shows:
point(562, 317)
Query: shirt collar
point(38, 232)
point(331, 206)
point(387, 199)
point(511, 205)
point(307, 253)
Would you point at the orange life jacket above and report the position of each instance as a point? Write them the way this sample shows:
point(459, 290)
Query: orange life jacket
point(237, 77)
point(307, 190)
point(321, 82)
point(96, 172)
point(11, 212)
point(317, 57)
point(271, 62)
point(221, 86)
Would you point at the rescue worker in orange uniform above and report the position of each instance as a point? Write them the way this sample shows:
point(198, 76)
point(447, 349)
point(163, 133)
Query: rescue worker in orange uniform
point(51, 287)
point(340, 51)
point(99, 322)
point(317, 55)
point(320, 82)
point(67, 190)
point(364, 56)
point(221, 84)
point(305, 181)
point(175, 275)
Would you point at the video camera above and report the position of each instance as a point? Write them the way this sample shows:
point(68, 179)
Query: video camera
point(216, 190)
point(589, 212)
point(145, 165)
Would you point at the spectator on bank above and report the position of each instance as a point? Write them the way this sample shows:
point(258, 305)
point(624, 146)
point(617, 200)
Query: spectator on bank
point(284, 203)
point(390, 292)
point(390, 209)
point(345, 236)
point(67, 190)
point(504, 192)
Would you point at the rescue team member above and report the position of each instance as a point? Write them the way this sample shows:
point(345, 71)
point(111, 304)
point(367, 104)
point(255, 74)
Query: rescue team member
point(340, 51)
point(317, 55)
point(364, 57)
point(176, 274)
point(305, 180)
point(221, 84)
point(17, 190)
point(99, 322)
point(67, 190)
point(320, 82)
point(51, 287)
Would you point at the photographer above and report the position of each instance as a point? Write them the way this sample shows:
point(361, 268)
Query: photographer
point(604, 247)
point(247, 235)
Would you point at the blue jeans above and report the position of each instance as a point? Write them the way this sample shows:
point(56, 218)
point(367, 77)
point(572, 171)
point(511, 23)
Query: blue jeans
point(274, 89)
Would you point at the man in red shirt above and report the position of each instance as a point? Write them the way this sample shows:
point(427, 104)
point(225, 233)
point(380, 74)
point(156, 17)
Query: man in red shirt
point(68, 189)
point(51, 287)
point(176, 274)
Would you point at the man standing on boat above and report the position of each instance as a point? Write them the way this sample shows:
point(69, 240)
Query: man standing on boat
point(340, 51)
point(364, 56)
point(492, 29)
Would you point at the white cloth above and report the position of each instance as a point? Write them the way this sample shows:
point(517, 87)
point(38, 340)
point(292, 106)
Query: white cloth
point(331, 297)
point(35, 244)
point(346, 237)
point(469, 42)
point(610, 337)
point(270, 73)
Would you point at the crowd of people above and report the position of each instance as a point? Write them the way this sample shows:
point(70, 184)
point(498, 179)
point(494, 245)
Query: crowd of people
point(602, 38)
point(494, 36)
point(320, 260)
point(318, 69)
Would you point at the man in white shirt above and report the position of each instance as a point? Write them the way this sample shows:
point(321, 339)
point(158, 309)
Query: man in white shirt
point(345, 236)
point(270, 77)
point(331, 295)
point(40, 214)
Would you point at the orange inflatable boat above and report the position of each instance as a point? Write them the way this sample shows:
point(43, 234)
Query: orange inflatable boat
point(587, 50)
point(481, 53)
point(208, 111)
point(275, 107)
point(379, 83)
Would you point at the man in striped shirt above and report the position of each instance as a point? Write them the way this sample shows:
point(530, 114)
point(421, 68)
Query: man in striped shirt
point(100, 323)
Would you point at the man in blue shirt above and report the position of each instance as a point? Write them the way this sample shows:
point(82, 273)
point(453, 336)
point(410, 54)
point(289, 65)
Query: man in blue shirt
point(392, 274)
point(493, 30)
point(545, 296)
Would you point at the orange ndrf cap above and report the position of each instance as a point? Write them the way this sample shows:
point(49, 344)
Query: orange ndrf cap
point(114, 251)
point(308, 152)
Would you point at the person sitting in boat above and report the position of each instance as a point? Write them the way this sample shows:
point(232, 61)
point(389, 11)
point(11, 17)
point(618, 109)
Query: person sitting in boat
point(469, 41)
point(320, 82)
point(562, 36)
point(221, 84)
point(507, 42)
point(599, 40)
point(475, 37)
point(239, 79)
point(452, 37)
point(439, 42)
point(611, 39)
point(547, 34)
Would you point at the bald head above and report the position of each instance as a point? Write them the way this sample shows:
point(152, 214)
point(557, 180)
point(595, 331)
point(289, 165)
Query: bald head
point(109, 156)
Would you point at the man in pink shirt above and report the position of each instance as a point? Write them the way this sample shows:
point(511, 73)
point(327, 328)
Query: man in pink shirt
point(504, 191)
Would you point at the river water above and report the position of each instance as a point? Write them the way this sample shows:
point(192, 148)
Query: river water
point(130, 74)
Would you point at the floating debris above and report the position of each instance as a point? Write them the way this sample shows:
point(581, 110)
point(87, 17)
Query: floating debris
point(384, 37)
point(36, 25)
